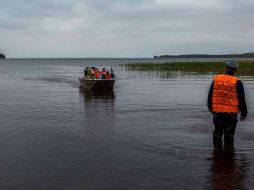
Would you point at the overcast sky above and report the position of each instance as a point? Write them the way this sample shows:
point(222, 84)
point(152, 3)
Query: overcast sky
point(125, 28)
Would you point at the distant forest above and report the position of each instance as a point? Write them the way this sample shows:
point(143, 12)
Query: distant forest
point(2, 56)
point(243, 55)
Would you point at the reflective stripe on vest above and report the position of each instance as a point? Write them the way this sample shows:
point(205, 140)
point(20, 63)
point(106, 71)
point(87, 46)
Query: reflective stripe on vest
point(225, 98)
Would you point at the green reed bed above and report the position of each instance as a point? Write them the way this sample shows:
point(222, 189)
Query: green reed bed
point(246, 67)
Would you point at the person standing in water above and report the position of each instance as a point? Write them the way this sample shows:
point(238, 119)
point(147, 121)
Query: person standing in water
point(225, 99)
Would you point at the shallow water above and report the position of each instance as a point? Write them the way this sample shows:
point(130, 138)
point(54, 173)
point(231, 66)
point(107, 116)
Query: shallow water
point(151, 132)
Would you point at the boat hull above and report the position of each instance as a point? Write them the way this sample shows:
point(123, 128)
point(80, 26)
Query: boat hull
point(95, 84)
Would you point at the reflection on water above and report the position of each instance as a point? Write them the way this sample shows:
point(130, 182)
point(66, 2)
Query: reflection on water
point(98, 105)
point(98, 109)
point(229, 170)
point(96, 94)
point(98, 136)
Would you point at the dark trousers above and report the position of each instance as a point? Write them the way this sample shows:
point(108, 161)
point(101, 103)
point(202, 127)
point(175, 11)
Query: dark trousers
point(224, 123)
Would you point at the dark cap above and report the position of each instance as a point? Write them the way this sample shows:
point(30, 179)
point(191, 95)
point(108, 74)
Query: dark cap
point(231, 64)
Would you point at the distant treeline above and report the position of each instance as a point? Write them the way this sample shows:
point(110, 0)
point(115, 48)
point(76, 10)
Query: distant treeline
point(2, 56)
point(243, 55)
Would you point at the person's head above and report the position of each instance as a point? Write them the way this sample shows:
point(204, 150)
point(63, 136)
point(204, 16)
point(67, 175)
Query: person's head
point(232, 66)
point(104, 69)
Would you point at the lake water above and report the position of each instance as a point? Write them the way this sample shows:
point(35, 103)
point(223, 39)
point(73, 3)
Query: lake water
point(151, 132)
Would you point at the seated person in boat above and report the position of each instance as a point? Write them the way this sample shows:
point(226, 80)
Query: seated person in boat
point(103, 73)
point(97, 73)
point(94, 73)
point(90, 73)
point(86, 72)
point(108, 74)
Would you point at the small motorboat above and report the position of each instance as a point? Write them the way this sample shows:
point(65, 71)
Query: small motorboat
point(97, 84)
point(95, 80)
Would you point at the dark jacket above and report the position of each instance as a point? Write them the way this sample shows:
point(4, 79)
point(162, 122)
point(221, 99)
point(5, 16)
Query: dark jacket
point(241, 96)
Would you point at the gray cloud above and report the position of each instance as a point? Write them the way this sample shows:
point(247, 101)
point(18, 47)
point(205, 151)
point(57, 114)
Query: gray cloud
point(129, 28)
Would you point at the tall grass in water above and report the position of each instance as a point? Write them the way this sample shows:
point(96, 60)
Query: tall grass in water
point(246, 67)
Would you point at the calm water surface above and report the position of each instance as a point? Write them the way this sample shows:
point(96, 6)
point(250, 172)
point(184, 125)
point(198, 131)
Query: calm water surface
point(149, 133)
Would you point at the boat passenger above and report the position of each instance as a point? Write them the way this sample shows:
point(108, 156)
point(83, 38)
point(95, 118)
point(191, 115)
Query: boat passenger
point(108, 75)
point(112, 73)
point(85, 72)
point(113, 76)
point(93, 71)
point(103, 73)
point(90, 74)
point(97, 74)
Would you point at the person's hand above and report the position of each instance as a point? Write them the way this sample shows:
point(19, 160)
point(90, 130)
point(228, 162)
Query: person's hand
point(242, 117)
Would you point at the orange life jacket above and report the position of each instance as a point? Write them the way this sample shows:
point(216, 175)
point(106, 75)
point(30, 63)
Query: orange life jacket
point(225, 98)
point(97, 75)
point(108, 76)
point(103, 74)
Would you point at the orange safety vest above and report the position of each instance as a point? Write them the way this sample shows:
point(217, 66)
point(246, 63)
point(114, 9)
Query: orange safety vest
point(225, 98)
point(97, 75)
point(103, 74)
point(108, 76)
